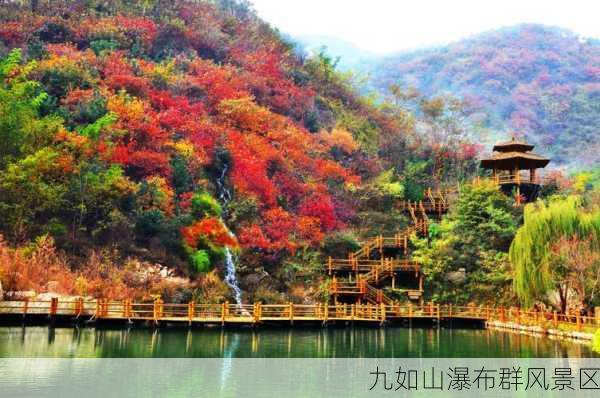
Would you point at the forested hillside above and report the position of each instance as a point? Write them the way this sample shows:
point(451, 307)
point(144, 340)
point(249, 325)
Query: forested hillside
point(540, 81)
point(147, 138)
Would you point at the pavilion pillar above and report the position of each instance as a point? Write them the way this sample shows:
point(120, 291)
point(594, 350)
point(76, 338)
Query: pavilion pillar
point(532, 176)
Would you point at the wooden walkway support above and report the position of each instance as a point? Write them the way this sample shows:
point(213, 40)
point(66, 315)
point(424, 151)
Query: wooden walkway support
point(290, 314)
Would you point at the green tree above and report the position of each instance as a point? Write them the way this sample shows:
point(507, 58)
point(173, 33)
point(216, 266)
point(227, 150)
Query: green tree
point(22, 130)
point(32, 191)
point(540, 266)
point(466, 255)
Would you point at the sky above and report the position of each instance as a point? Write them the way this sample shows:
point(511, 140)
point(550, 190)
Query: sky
point(384, 26)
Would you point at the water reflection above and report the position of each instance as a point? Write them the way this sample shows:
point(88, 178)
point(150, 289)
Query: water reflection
point(294, 343)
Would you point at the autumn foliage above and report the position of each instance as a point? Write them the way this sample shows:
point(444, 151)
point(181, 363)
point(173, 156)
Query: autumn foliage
point(170, 131)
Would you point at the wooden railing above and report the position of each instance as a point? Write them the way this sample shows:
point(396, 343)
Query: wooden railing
point(376, 296)
point(515, 315)
point(192, 312)
point(378, 243)
point(357, 287)
point(367, 266)
point(378, 309)
point(520, 178)
point(426, 206)
point(361, 289)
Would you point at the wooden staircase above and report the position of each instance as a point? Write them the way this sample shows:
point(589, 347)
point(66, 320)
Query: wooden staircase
point(356, 266)
point(378, 243)
point(364, 274)
point(361, 290)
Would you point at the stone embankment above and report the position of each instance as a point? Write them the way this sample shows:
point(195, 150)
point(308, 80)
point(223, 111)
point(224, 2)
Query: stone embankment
point(534, 329)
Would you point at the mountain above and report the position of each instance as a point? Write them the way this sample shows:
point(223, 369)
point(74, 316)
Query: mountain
point(137, 133)
point(350, 56)
point(539, 81)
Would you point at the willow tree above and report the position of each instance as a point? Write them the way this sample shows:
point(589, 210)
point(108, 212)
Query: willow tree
point(539, 267)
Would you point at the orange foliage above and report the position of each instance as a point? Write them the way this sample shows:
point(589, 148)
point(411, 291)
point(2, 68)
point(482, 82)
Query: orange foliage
point(252, 236)
point(212, 229)
point(309, 230)
point(41, 268)
point(23, 270)
point(225, 86)
point(340, 138)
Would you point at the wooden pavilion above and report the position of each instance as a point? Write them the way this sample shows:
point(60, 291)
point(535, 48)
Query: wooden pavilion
point(508, 163)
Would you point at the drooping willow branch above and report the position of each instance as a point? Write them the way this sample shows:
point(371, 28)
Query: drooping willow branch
point(532, 248)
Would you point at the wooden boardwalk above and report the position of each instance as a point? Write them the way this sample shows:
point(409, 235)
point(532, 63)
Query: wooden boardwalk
point(158, 313)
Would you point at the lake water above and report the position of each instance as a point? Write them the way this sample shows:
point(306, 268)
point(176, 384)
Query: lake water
point(351, 342)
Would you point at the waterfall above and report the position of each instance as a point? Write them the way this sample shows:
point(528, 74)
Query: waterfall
point(230, 274)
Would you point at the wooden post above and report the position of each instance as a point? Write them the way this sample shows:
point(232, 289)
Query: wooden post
point(330, 265)
point(334, 285)
point(555, 319)
point(578, 320)
point(129, 308)
point(291, 312)
point(76, 311)
point(352, 311)
point(326, 312)
point(191, 311)
point(224, 310)
point(410, 310)
point(383, 313)
point(25, 306)
point(124, 308)
point(256, 312)
point(502, 315)
point(79, 302)
point(53, 306)
point(98, 308)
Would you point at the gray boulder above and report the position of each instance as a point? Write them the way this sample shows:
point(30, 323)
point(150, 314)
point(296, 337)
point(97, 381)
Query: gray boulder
point(457, 277)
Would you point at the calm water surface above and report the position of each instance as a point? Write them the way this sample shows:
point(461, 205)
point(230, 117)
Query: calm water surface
point(354, 342)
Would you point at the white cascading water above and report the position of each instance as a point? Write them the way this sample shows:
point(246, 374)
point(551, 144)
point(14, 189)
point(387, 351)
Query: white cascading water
point(230, 274)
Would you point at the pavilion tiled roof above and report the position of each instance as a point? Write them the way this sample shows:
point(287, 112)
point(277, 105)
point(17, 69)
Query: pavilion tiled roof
point(510, 160)
point(513, 145)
